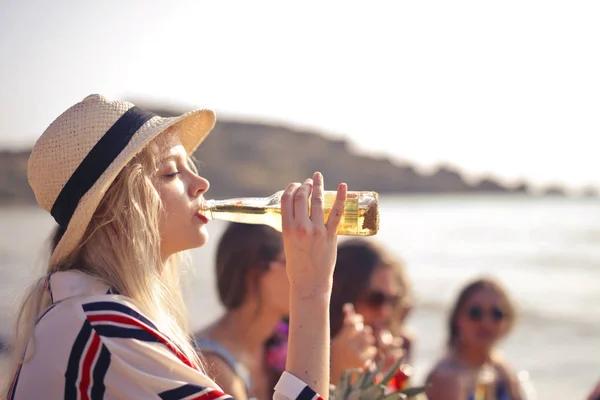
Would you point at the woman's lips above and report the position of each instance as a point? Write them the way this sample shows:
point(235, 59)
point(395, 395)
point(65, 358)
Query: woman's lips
point(202, 218)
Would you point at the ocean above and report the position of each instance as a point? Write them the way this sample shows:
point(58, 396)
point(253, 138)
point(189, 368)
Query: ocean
point(545, 250)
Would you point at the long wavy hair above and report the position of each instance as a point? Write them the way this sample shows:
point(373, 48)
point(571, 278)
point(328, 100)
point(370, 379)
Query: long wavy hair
point(122, 249)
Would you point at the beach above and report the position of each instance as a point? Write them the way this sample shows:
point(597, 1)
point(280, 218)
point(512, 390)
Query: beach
point(546, 251)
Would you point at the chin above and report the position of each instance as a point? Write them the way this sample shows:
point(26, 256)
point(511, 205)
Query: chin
point(484, 345)
point(203, 239)
point(199, 240)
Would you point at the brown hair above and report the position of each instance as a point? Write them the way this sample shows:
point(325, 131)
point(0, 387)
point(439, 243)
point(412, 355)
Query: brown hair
point(465, 294)
point(242, 249)
point(357, 260)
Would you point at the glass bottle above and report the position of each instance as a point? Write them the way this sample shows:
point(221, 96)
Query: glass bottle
point(485, 384)
point(360, 218)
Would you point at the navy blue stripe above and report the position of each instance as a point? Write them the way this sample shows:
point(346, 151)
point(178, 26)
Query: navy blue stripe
point(125, 333)
point(99, 373)
point(75, 359)
point(13, 388)
point(46, 312)
point(96, 162)
point(306, 394)
point(180, 392)
point(114, 306)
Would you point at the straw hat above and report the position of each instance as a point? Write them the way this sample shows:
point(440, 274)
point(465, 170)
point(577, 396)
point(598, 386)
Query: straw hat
point(77, 158)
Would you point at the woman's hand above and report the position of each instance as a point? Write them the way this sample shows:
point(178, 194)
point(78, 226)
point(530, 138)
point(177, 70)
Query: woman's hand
point(310, 246)
point(354, 345)
point(390, 348)
point(310, 242)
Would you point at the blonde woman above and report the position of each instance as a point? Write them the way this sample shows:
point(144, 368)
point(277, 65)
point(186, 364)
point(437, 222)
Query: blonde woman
point(107, 320)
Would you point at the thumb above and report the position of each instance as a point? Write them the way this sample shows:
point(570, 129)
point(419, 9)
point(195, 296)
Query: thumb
point(348, 310)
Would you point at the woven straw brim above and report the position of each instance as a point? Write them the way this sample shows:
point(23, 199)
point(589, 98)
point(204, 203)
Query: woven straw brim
point(193, 127)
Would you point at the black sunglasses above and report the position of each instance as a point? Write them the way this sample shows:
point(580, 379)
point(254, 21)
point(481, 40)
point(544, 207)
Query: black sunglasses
point(477, 313)
point(379, 299)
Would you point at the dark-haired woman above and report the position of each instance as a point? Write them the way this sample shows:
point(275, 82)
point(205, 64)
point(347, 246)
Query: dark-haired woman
point(482, 315)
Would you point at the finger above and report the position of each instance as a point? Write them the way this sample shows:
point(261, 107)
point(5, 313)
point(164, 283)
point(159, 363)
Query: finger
point(348, 309)
point(398, 342)
point(287, 205)
point(369, 337)
point(301, 203)
point(359, 326)
point(385, 337)
point(351, 317)
point(337, 210)
point(369, 353)
point(316, 212)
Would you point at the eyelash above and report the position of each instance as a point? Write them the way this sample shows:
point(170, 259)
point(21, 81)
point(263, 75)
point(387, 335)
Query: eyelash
point(173, 175)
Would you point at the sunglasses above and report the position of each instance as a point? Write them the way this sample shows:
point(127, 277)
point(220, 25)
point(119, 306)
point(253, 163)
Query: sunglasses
point(477, 313)
point(378, 299)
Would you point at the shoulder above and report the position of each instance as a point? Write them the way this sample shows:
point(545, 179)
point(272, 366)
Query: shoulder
point(443, 368)
point(74, 312)
point(444, 381)
point(509, 376)
point(504, 367)
point(114, 308)
point(225, 376)
point(110, 316)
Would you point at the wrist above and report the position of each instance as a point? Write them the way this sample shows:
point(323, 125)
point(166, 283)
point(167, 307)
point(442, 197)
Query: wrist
point(311, 292)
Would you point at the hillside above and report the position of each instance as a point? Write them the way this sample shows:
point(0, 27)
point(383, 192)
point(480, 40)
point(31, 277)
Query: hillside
point(255, 159)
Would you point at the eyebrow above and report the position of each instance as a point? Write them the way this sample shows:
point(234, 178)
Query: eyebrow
point(172, 157)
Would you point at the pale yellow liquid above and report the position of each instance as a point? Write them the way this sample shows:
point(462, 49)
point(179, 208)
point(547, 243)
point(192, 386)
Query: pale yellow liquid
point(351, 223)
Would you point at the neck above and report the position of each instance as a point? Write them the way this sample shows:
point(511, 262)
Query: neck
point(247, 327)
point(473, 357)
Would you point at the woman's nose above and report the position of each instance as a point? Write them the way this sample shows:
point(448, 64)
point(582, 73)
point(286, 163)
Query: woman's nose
point(199, 185)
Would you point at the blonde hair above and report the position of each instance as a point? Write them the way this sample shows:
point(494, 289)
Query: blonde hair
point(122, 249)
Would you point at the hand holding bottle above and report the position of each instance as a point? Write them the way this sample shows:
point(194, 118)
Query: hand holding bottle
point(310, 242)
point(310, 245)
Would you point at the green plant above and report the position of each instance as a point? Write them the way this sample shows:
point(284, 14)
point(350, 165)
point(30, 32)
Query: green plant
point(361, 384)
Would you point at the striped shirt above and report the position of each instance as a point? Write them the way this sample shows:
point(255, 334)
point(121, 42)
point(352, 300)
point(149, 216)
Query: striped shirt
point(94, 345)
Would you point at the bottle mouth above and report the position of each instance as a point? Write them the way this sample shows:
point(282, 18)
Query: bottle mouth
point(205, 208)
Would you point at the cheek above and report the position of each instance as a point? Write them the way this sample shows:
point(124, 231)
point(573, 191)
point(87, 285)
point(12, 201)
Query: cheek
point(465, 327)
point(276, 289)
point(173, 211)
point(502, 328)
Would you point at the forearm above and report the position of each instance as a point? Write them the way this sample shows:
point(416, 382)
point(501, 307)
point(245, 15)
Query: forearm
point(308, 343)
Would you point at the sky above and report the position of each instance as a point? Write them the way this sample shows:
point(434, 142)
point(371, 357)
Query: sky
point(509, 89)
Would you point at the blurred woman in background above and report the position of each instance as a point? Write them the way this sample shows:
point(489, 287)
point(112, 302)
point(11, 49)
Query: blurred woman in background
point(253, 287)
point(246, 349)
point(482, 315)
point(375, 284)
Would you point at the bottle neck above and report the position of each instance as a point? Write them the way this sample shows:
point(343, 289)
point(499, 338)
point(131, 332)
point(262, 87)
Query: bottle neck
point(250, 210)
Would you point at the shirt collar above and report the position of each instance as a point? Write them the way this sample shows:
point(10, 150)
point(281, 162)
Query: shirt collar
point(66, 284)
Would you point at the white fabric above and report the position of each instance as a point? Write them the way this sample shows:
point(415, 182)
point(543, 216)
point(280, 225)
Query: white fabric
point(93, 345)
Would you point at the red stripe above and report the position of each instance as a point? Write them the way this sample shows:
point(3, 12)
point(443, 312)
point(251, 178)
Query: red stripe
point(124, 319)
point(86, 369)
point(213, 394)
